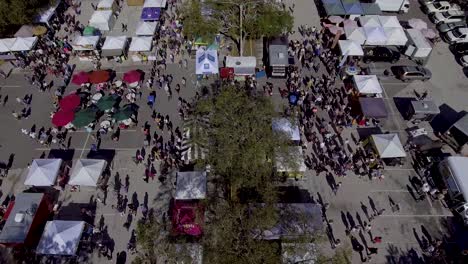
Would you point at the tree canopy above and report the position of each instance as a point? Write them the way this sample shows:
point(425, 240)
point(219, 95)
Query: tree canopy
point(260, 19)
point(19, 12)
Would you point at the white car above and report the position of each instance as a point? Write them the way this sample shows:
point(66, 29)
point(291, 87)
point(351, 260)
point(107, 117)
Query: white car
point(447, 17)
point(464, 61)
point(457, 35)
point(441, 6)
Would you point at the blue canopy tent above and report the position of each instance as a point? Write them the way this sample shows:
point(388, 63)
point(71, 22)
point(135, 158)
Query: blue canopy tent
point(293, 98)
point(353, 8)
point(150, 13)
point(206, 62)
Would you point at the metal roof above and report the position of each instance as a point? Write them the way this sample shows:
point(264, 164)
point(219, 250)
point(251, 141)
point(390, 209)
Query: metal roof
point(278, 55)
point(427, 107)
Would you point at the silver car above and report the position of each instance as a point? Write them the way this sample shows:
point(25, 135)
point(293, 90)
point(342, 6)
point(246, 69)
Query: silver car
point(446, 27)
point(409, 73)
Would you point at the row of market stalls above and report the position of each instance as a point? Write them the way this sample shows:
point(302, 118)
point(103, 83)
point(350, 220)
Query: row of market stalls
point(350, 7)
point(17, 44)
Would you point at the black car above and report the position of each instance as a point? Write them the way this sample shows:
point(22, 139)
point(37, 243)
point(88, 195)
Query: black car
point(460, 48)
point(381, 54)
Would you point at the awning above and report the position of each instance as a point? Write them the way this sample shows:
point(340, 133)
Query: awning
point(190, 185)
point(141, 44)
point(396, 36)
point(375, 36)
point(86, 172)
point(24, 44)
point(355, 34)
point(388, 145)
point(43, 172)
point(150, 13)
point(369, 21)
point(351, 48)
point(145, 28)
point(367, 84)
point(85, 42)
point(284, 125)
point(389, 21)
point(373, 107)
point(60, 237)
point(206, 62)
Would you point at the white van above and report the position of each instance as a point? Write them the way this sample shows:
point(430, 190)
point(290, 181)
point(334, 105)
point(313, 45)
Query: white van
point(454, 171)
point(456, 36)
point(447, 17)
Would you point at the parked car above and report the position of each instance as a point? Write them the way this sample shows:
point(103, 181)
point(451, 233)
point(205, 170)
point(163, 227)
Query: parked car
point(446, 27)
point(381, 54)
point(460, 49)
point(441, 6)
point(425, 2)
point(456, 36)
point(464, 61)
point(407, 73)
point(448, 17)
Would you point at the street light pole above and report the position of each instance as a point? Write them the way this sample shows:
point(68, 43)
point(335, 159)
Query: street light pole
point(241, 7)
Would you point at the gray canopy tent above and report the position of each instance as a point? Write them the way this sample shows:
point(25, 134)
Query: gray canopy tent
point(61, 237)
point(373, 107)
point(190, 185)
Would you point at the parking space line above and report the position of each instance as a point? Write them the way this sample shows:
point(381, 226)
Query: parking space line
point(87, 149)
point(121, 131)
point(402, 216)
point(398, 169)
point(84, 145)
point(400, 191)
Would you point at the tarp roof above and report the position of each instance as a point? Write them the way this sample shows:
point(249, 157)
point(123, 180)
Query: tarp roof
point(85, 42)
point(375, 36)
point(146, 28)
point(100, 19)
point(296, 164)
point(369, 21)
point(43, 172)
point(114, 43)
point(190, 185)
point(5, 44)
point(284, 125)
point(23, 44)
point(60, 237)
point(86, 172)
point(389, 21)
point(206, 62)
point(396, 36)
point(388, 145)
point(373, 107)
point(355, 34)
point(458, 166)
point(350, 47)
point(18, 224)
point(462, 124)
point(155, 3)
point(141, 44)
point(367, 84)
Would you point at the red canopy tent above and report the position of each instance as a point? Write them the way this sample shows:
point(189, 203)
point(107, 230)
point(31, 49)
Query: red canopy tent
point(226, 73)
point(132, 76)
point(80, 78)
point(187, 218)
point(62, 118)
point(99, 76)
point(70, 102)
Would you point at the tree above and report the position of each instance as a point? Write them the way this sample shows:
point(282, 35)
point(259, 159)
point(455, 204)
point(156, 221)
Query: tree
point(14, 13)
point(261, 18)
point(195, 24)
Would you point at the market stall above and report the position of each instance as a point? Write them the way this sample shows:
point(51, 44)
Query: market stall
point(102, 20)
point(284, 125)
point(114, 46)
point(155, 3)
point(150, 13)
point(373, 107)
point(396, 36)
point(43, 172)
point(369, 21)
point(375, 36)
point(388, 145)
point(61, 237)
point(371, 9)
point(350, 48)
point(5, 44)
point(24, 44)
point(141, 48)
point(292, 165)
point(87, 172)
point(334, 9)
point(135, 2)
point(367, 84)
point(146, 28)
point(206, 62)
point(423, 110)
point(389, 21)
point(107, 5)
point(85, 47)
point(244, 66)
point(355, 34)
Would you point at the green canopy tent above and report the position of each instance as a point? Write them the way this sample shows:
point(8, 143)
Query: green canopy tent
point(106, 102)
point(84, 117)
point(335, 9)
point(123, 114)
point(89, 31)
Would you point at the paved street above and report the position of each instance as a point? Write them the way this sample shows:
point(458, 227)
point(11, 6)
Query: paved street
point(399, 230)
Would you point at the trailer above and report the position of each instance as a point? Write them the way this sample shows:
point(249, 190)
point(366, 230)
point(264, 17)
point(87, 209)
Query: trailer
point(417, 46)
point(399, 6)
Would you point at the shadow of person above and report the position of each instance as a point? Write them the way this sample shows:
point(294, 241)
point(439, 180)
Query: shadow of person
point(121, 257)
point(426, 233)
point(345, 221)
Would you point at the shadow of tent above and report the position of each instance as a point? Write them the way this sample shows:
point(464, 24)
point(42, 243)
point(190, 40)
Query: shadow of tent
point(403, 104)
point(64, 154)
point(72, 212)
point(293, 194)
point(447, 117)
point(365, 132)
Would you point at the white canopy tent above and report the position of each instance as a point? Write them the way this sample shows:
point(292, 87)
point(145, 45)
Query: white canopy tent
point(114, 45)
point(61, 237)
point(146, 28)
point(23, 44)
point(389, 21)
point(85, 42)
point(396, 36)
point(356, 34)
point(367, 84)
point(106, 5)
point(190, 185)
point(86, 172)
point(155, 3)
point(375, 36)
point(5, 44)
point(45, 15)
point(284, 125)
point(43, 172)
point(351, 48)
point(296, 164)
point(370, 21)
point(102, 20)
point(242, 65)
point(206, 62)
point(457, 178)
point(388, 145)
point(141, 44)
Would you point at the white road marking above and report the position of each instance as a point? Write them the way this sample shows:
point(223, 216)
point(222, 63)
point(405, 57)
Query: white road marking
point(435, 215)
point(122, 131)
point(11, 86)
point(84, 145)
point(87, 149)
point(400, 191)
point(398, 169)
